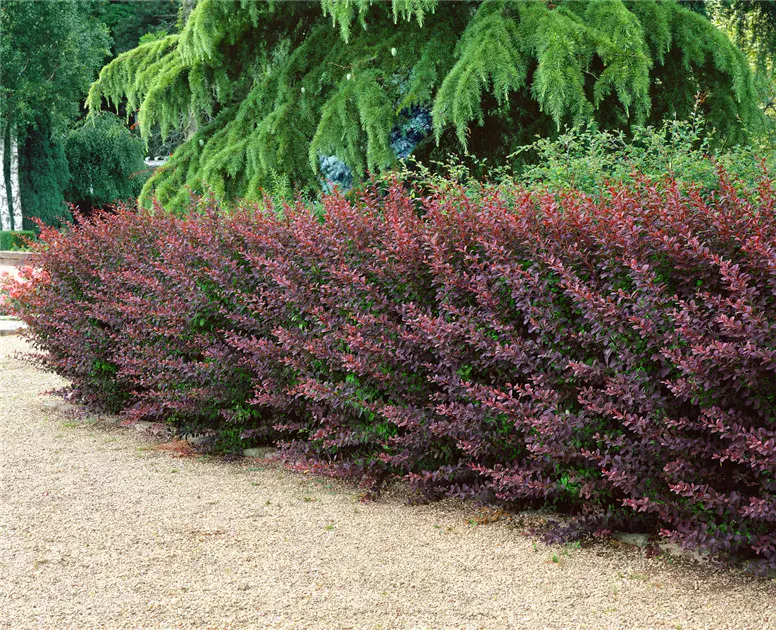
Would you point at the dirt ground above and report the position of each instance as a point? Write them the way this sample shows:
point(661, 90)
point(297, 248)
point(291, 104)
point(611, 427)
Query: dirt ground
point(101, 528)
point(9, 270)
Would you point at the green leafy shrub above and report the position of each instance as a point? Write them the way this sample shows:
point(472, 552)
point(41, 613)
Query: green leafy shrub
point(589, 160)
point(15, 239)
point(106, 163)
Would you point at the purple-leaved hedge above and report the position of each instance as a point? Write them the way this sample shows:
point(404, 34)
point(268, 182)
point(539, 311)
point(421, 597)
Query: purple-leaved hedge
point(612, 356)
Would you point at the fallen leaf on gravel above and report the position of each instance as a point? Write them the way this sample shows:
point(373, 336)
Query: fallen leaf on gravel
point(178, 448)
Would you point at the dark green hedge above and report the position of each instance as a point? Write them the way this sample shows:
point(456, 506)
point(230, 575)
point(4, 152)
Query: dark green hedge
point(15, 239)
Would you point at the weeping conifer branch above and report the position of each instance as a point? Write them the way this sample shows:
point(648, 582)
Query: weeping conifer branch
point(278, 86)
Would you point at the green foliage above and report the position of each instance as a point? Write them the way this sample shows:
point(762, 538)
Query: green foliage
point(15, 239)
point(588, 159)
point(754, 26)
point(106, 162)
point(44, 176)
point(229, 440)
point(129, 22)
point(263, 90)
point(51, 52)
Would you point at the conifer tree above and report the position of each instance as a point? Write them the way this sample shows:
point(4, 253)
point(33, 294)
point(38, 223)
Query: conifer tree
point(105, 161)
point(44, 175)
point(299, 91)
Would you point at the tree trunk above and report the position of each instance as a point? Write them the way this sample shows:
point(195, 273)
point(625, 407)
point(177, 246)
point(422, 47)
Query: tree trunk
point(16, 193)
point(192, 127)
point(5, 209)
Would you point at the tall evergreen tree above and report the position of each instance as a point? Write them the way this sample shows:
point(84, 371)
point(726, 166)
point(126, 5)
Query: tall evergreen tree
point(44, 175)
point(311, 91)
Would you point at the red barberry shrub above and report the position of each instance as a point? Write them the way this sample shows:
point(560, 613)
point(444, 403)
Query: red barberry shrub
point(614, 357)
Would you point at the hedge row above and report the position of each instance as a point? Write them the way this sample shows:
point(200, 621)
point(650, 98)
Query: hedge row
point(614, 357)
point(15, 239)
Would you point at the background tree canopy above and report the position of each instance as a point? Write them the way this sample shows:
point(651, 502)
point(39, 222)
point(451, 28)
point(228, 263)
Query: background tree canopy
point(51, 53)
point(129, 22)
point(753, 24)
point(310, 91)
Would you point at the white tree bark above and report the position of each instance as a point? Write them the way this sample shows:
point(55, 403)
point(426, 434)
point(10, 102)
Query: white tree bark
point(5, 209)
point(16, 193)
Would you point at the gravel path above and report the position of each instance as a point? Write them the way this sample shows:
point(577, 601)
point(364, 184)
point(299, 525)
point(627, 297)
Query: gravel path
point(99, 528)
point(10, 270)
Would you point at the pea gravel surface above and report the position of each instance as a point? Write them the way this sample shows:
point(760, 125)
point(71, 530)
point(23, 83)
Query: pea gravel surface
point(10, 270)
point(104, 527)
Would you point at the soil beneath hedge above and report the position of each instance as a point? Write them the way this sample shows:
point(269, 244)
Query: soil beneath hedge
point(101, 527)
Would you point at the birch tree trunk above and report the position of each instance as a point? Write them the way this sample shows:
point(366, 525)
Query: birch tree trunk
point(5, 209)
point(16, 193)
